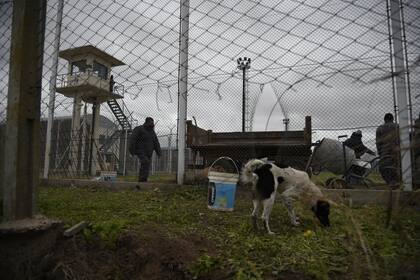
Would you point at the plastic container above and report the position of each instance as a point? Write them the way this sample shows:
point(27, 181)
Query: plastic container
point(108, 176)
point(222, 188)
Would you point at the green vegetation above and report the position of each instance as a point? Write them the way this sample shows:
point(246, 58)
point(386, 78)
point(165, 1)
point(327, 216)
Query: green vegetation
point(357, 246)
point(159, 177)
point(374, 180)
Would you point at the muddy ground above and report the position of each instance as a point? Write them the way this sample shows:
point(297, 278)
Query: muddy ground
point(135, 255)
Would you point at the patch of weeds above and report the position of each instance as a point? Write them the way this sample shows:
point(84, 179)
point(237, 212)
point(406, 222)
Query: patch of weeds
point(107, 232)
point(244, 269)
point(204, 266)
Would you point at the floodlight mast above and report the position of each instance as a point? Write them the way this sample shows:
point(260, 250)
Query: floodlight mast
point(244, 64)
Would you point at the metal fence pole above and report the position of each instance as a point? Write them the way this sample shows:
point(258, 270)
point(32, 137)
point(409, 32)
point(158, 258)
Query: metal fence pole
point(401, 90)
point(182, 87)
point(53, 83)
point(169, 153)
point(125, 152)
point(84, 144)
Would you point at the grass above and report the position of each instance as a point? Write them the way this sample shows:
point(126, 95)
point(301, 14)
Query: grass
point(158, 177)
point(357, 246)
point(319, 179)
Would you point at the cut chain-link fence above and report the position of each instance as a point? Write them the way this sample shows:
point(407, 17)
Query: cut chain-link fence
point(331, 60)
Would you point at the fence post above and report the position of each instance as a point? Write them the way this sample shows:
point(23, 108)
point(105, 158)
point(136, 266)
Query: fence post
point(84, 144)
point(416, 153)
point(182, 87)
point(53, 83)
point(125, 152)
point(401, 91)
point(22, 144)
point(96, 115)
point(169, 153)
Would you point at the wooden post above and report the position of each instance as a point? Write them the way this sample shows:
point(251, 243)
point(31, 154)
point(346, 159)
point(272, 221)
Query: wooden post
point(308, 130)
point(190, 134)
point(209, 136)
point(22, 144)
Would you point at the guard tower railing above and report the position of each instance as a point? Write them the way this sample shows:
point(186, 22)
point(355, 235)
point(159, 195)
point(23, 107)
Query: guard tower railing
point(89, 78)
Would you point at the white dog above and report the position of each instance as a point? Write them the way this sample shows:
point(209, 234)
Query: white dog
point(294, 184)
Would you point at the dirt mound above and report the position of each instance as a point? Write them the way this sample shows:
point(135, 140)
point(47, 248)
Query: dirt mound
point(136, 255)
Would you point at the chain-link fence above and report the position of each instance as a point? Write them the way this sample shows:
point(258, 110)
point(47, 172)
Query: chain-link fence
point(316, 69)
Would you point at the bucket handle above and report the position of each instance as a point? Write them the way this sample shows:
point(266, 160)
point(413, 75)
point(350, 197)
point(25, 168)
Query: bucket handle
point(227, 158)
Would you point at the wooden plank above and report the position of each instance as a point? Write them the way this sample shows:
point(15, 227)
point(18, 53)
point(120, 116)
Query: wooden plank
point(258, 135)
point(75, 229)
point(251, 145)
point(196, 135)
point(308, 130)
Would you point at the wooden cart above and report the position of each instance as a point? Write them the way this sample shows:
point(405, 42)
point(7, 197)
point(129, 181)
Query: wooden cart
point(289, 147)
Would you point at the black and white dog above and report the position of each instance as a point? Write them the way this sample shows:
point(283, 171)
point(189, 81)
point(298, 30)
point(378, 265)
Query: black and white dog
point(267, 178)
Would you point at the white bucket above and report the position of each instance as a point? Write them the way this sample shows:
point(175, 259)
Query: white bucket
point(109, 176)
point(222, 189)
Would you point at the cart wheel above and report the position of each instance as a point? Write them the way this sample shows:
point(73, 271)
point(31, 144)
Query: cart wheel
point(336, 183)
point(328, 181)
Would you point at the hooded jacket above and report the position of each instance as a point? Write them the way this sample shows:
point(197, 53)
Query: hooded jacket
point(355, 143)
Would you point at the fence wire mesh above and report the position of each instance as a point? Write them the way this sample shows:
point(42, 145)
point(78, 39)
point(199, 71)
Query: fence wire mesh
point(328, 59)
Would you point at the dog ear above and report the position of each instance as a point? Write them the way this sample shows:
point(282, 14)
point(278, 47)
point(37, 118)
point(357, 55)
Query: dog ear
point(323, 204)
point(330, 202)
point(322, 212)
point(265, 166)
point(253, 164)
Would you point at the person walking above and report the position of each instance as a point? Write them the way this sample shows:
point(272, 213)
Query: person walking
point(387, 144)
point(143, 141)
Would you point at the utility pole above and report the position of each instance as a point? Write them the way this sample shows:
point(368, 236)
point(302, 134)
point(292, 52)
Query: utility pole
point(244, 64)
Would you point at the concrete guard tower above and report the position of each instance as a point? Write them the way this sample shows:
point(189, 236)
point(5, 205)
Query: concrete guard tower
point(88, 79)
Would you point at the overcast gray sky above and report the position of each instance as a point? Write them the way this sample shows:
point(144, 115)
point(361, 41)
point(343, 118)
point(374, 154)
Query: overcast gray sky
point(320, 56)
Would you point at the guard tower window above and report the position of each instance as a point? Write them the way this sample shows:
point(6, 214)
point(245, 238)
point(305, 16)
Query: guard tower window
point(78, 66)
point(101, 69)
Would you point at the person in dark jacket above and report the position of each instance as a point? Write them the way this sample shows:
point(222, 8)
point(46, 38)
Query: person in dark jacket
point(355, 143)
point(387, 144)
point(111, 84)
point(143, 141)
